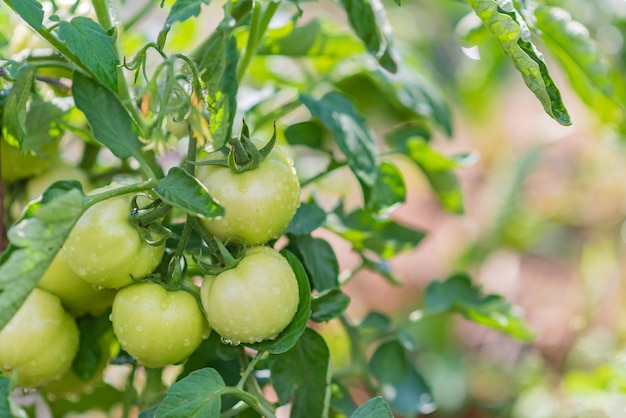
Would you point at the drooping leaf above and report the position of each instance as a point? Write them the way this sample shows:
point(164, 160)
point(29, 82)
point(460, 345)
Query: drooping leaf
point(302, 374)
point(111, 124)
point(511, 31)
point(589, 74)
point(386, 238)
point(180, 189)
point(369, 21)
point(291, 335)
point(308, 133)
point(457, 294)
point(402, 385)
point(42, 127)
point(307, 219)
point(93, 46)
point(328, 304)
point(319, 260)
point(14, 114)
point(219, 72)
point(196, 396)
point(29, 10)
point(350, 131)
point(389, 190)
point(375, 407)
point(35, 240)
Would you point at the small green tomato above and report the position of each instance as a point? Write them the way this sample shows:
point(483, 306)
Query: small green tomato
point(40, 341)
point(157, 326)
point(254, 301)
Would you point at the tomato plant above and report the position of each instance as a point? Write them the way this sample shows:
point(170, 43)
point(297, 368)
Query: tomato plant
point(288, 248)
point(254, 301)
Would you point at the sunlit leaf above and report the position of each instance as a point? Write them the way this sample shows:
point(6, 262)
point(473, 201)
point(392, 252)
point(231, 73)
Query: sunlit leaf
point(196, 396)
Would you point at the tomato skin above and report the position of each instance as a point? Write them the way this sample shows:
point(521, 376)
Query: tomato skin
point(104, 249)
point(59, 171)
point(259, 204)
point(78, 296)
point(254, 301)
point(156, 326)
point(40, 341)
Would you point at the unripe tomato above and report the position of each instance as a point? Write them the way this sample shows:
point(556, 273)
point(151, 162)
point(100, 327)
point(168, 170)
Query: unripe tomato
point(258, 204)
point(40, 341)
point(78, 296)
point(254, 301)
point(17, 165)
point(157, 326)
point(104, 249)
point(59, 171)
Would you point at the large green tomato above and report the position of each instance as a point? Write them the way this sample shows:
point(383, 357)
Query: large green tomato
point(78, 296)
point(104, 249)
point(40, 341)
point(259, 204)
point(156, 326)
point(254, 301)
point(59, 171)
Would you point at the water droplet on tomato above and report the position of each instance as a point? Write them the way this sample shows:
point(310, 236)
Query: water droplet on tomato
point(186, 342)
point(139, 328)
point(276, 290)
point(248, 318)
point(246, 330)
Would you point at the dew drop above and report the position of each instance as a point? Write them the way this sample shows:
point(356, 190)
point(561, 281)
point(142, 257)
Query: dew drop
point(226, 340)
point(186, 342)
point(164, 305)
point(143, 346)
point(276, 290)
point(139, 328)
point(248, 318)
point(246, 330)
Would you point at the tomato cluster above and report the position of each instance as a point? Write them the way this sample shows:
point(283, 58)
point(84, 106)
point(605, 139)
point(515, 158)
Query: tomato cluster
point(106, 264)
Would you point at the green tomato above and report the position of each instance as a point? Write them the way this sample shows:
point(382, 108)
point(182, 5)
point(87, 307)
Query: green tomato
point(258, 204)
point(104, 249)
point(156, 326)
point(78, 296)
point(254, 301)
point(59, 171)
point(40, 341)
point(17, 165)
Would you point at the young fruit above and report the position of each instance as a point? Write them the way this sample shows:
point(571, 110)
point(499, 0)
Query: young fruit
point(40, 341)
point(259, 204)
point(104, 249)
point(17, 165)
point(59, 171)
point(157, 326)
point(254, 301)
point(78, 296)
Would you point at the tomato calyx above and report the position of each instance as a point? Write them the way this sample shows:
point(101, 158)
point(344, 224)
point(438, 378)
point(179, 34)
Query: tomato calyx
point(146, 219)
point(242, 154)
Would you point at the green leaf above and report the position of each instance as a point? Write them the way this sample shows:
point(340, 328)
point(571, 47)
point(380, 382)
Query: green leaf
point(111, 124)
point(219, 72)
point(389, 190)
point(309, 133)
point(435, 166)
point(510, 29)
point(196, 396)
point(5, 392)
point(42, 127)
point(369, 21)
point(29, 10)
point(302, 375)
point(377, 321)
point(374, 408)
point(184, 191)
point(457, 294)
point(401, 384)
point(14, 115)
point(319, 259)
point(307, 219)
point(314, 39)
point(385, 238)
point(588, 73)
point(89, 355)
point(93, 46)
point(287, 339)
point(350, 131)
point(329, 304)
point(35, 240)
point(184, 9)
point(409, 92)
